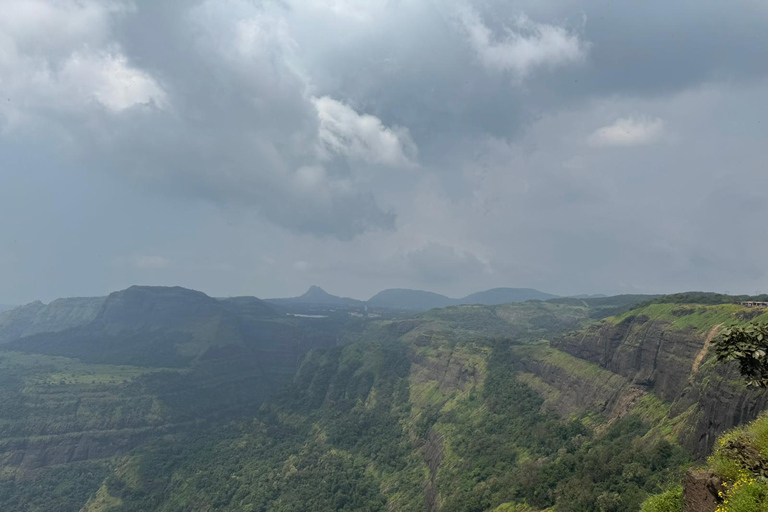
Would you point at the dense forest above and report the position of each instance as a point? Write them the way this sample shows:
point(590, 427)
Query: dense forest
point(554, 405)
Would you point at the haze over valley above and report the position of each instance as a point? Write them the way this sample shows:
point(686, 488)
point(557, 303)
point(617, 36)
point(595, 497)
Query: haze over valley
point(383, 256)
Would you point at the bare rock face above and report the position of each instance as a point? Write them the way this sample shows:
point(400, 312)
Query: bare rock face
point(670, 362)
point(433, 454)
point(701, 491)
point(648, 353)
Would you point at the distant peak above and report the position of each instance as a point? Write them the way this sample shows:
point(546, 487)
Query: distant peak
point(315, 291)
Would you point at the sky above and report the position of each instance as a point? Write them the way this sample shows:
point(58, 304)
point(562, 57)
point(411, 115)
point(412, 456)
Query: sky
point(247, 147)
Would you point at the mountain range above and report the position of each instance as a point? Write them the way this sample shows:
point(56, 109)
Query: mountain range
point(415, 300)
point(157, 398)
point(69, 312)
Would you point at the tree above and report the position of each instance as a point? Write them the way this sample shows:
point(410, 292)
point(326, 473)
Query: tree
point(748, 346)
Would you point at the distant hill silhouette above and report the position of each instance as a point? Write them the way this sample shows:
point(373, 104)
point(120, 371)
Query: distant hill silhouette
point(417, 300)
point(505, 295)
point(316, 295)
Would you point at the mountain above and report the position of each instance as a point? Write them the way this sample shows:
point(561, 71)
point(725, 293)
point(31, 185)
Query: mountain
point(59, 315)
point(161, 326)
point(505, 296)
point(316, 295)
point(6, 307)
point(465, 409)
point(152, 362)
point(418, 300)
point(169, 398)
point(249, 306)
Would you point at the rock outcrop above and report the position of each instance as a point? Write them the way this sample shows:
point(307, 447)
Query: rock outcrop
point(674, 364)
point(701, 491)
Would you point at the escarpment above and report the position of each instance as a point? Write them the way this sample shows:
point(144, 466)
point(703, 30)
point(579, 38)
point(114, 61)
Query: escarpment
point(660, 356)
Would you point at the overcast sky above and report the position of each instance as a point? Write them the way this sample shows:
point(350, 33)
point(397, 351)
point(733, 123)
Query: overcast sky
point(257, 147)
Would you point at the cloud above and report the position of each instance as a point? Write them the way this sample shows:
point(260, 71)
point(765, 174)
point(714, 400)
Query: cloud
point(150, 262)
point(629, 131)
point(526, 45)
point(45, 27)
point(57, 58)
point(436, 263)
point(107, 78)
point(361, 136)
point(233, 123)
point(362, 12)
point(170, 115)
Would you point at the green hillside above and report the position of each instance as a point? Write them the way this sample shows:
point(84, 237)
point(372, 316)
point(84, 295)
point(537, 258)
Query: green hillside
point(170, 398)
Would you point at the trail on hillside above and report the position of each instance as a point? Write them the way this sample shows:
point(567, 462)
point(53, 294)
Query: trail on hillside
point(705, 349)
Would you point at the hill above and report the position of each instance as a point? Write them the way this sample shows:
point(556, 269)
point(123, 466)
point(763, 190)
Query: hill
point(442, 412)
point(418, 300)
point(59, 315)
point(505, 296)
point(576, 405)
point(156, 326)
point(316, 295)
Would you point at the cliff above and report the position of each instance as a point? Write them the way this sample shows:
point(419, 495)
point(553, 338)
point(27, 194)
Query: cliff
point(663, 349)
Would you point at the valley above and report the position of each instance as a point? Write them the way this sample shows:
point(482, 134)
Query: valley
point(156, 398)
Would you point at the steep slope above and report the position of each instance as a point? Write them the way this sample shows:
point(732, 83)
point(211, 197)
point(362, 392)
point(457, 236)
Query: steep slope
point(664, 349)
point(428, 413)
point(66, 419)
point(516, 407)
point(733, 479)
point(143, 325)
point(59, 315)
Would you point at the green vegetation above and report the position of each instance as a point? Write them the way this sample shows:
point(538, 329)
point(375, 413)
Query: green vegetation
point(602, 307)
point(669, 501)
point(705, 298)
point(57, 488)
point(748, 346)
point(351, 433)
point(740, 459)
point(449, 410)
point(699, 317)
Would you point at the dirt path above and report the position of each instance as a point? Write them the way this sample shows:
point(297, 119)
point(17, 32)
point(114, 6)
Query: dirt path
point(705, 349)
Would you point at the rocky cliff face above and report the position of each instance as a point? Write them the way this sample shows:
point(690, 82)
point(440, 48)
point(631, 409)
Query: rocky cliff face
point(674, 363)
point(648, 353)
point(573, 388)
point(702, 491)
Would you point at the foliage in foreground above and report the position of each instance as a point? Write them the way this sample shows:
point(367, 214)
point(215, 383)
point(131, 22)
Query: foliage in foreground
point(749, 347)
point(669, 501)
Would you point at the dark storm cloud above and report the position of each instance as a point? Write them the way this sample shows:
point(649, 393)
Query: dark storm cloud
point(577, 146)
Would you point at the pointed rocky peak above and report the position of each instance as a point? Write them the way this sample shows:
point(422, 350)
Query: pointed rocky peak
point(315, 294)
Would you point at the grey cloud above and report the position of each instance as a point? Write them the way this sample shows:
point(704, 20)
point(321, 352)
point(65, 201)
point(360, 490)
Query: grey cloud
point(613, 164)
point(437, 264)
point(232, 121)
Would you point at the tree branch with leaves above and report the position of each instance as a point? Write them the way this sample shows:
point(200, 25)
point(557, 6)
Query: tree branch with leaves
point(748, 346)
